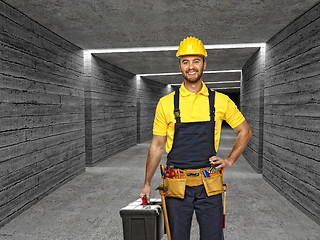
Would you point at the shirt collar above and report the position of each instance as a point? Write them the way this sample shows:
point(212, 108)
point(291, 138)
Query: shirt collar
point(184, 92)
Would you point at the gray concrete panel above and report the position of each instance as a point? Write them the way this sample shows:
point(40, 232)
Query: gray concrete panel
point(167, 62)
point(119, 24)
point(280, 99)
point(95, 24)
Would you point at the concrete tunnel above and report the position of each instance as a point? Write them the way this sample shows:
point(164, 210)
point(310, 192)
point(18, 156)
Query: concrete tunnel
point(80, 81)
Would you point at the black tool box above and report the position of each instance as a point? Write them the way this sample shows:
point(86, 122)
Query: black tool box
point(143, 222)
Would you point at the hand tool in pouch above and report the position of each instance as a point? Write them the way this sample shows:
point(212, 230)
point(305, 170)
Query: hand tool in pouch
point(179, 173)
point(205, 173)
point(224, 205)
point(170, 173)
point(162, 170)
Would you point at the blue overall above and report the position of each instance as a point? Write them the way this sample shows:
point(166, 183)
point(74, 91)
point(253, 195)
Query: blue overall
point(193, 145)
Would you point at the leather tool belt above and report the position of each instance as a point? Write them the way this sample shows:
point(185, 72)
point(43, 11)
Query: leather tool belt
point(193, 177)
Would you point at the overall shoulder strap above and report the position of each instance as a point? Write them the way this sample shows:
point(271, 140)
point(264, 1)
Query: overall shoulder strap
point(212, 95)
point(176, 110)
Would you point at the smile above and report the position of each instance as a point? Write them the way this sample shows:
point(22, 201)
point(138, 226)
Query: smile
point(192, 73)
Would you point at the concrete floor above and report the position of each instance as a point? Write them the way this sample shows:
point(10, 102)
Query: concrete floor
point(88, 206)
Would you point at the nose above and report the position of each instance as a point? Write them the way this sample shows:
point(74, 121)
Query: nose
point(191, 65)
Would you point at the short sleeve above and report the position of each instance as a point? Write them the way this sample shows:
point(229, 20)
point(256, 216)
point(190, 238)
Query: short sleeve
point(160, 124)
point(233, 116)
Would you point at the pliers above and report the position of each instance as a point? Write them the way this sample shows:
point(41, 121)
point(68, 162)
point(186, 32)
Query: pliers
point(213, 169)
point(170, 173)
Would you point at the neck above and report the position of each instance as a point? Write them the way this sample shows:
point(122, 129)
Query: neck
point(193, 87)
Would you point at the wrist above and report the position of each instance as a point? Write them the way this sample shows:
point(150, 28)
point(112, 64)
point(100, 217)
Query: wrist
point(230, 161)
point(147, 184)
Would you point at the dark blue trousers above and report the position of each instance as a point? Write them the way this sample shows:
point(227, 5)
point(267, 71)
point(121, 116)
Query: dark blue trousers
point(208, 211)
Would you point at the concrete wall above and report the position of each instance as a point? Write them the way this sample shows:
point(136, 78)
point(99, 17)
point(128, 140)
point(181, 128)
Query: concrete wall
point(292, 112)
point(120, 109)
point(111, 111)
point(57, 113)
point(42, 112)
point(148, 95)
point(252, 97)
point(291, 127)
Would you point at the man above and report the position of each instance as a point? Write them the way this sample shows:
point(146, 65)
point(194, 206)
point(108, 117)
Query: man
point(188, 122)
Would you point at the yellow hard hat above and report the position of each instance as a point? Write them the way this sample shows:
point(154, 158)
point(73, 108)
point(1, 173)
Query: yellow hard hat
point(191, 46)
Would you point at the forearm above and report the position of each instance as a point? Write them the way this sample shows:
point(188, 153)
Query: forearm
point(239, 145)
point(154, 158)
point(244, 135)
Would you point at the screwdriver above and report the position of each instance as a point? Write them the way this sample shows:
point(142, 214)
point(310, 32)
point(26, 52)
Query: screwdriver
point(162, 170)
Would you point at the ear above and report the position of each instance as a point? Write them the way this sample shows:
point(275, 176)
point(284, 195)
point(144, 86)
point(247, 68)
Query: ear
point(204, 64)
point(179, 65)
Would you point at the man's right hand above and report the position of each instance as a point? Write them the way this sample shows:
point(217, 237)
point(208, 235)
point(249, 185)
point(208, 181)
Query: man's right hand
point(146, 191)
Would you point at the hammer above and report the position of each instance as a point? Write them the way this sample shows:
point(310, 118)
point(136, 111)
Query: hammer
point(162, 191)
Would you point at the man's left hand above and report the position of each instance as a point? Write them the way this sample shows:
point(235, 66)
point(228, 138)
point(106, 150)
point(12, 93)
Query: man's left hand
point(221, 163)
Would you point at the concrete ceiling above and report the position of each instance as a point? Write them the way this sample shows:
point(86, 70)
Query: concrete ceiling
point(108, 24)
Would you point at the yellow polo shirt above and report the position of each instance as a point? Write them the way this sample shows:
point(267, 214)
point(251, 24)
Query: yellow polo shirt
point(194, 108)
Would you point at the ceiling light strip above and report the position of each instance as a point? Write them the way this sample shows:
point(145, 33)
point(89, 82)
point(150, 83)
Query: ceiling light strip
point(226, 88)
point(223, 71)
point(236, 45)
point(222, 82)
point(178, 84)
point(158, 74)
point(178, 73)
point(173, 48)
point(132, 50)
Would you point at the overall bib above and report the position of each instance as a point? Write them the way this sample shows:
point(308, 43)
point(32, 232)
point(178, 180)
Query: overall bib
point(193, 145)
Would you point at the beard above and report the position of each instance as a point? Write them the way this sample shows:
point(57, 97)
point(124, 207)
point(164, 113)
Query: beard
point(193, 79)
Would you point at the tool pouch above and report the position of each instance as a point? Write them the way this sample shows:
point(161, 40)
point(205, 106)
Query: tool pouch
point(213, 185)
point(175, 187)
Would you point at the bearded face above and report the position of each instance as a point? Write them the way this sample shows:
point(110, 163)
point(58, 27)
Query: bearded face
point(192, 68)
